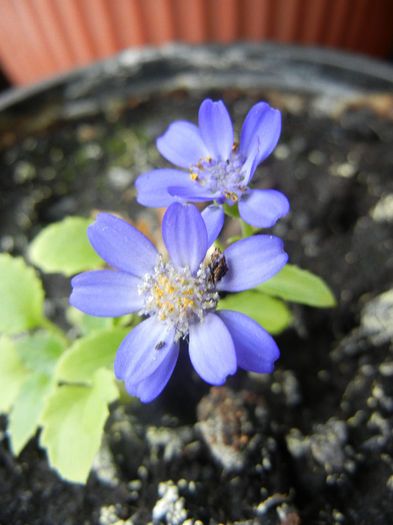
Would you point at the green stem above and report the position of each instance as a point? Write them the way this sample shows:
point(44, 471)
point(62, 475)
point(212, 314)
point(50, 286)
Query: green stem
point(219, 245)
point(231, 211)
point(247, 230)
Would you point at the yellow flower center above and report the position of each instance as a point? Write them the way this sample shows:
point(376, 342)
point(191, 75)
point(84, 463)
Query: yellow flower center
point(176, 296)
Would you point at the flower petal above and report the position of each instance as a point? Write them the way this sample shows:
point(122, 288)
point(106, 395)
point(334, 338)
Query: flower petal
point(106, 293)
point(211, 348)
point(252, 261)
point(137, 357)
point(192, 192)
point(153, 186)
point(185, 235)
point(121, 245)
point(255, 349)
point(213, 217)
point(216, 129)
point(251, 162)
point(262, 123)
point(147, 353)
point(149, 388)
point(262, 208)
point(182, 144)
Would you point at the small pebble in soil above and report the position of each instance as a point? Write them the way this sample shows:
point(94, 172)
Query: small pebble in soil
point(109, 516)
point(104, 466)
point(383, 210)
point(167, 442)
point(170, 506)
point(376, 327)
point(225, 423)
point(322, 457)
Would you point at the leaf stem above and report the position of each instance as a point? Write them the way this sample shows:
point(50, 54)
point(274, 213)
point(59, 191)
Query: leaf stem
point(247, 230)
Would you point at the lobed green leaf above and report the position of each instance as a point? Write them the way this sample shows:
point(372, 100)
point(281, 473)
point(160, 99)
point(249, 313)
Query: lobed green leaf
point(40, 351)
point(63, 247)
point(87, 323)
point(26, 413)
point(21, 296)
point(300, 286)
point(88, 354)
point(73, 422)
point(13, 373)
point(272, 314)
point(34, 358)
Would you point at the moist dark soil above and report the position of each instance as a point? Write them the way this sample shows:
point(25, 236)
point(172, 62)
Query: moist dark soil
point(310, 443)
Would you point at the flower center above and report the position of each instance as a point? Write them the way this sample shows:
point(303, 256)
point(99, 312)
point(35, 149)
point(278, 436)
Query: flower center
point(176, 296)
point(221, 176)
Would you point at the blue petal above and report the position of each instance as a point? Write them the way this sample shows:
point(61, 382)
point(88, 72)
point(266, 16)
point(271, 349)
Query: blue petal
point(251, 162)
point(262, 123)
point(121, 245)
point(182, 144)
point(153, 186)
point(137, 355)
point(213, 216)
point(262, 208)
point(255, 349)
point(106, 293)
point(150, 387)
point(216, 129)
point(185, 235)
point(147, 354)
point(212, 351)
point(193, 192)
point(252, 261)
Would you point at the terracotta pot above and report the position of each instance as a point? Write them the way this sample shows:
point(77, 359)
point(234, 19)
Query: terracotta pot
point(40, 38)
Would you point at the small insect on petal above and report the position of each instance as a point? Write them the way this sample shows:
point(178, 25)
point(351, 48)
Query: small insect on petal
point(217, 266)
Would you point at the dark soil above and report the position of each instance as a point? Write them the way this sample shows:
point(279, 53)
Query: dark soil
point(312, 442)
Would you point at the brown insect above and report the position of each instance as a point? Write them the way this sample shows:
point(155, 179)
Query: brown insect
point(217, 266)
point(159, 345)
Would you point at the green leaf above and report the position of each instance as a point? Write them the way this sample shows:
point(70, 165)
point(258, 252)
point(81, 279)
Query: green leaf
point(38, 354)
point(21, 296)
point(86, 355)
point(300, 286)
point(63, 247)
point(129, 320)
point(26, 412)
point(270, 313)
point(73, 421)
point(40, 351)
point(13, 373)
point(87, 323)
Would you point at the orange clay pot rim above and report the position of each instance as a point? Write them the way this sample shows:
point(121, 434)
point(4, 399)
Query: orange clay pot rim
point(188, 61)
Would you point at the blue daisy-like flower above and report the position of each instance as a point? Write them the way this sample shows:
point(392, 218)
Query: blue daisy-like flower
point(178, 296)
point(219, 169)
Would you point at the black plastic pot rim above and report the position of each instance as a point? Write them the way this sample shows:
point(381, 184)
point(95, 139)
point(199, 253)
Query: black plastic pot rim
point(269, 64)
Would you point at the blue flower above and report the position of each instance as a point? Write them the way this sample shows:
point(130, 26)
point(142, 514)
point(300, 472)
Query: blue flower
point(179, 298)
point(219, 168)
